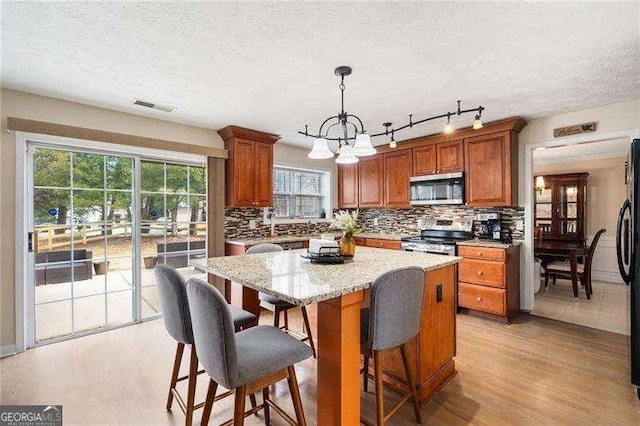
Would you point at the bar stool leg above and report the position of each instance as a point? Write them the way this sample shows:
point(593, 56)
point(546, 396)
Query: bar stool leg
point(411, 382)
point(305, 319)
point(191, 392)
point(377, 368)
point(174, 374)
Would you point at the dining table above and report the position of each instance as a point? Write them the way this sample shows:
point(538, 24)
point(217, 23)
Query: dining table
point(339, 291)
point(571, 250)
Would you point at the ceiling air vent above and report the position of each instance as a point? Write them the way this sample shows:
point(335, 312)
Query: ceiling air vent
point(151, 105)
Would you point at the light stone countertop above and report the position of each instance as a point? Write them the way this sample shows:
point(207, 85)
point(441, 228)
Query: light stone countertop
point(296, 280)
point(277, 239)
point(384, 236)
point(489, 243)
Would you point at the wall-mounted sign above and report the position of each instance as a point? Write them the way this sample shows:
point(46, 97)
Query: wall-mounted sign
point(574, 130)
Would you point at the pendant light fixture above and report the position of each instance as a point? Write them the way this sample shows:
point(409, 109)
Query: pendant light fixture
point(353, 140)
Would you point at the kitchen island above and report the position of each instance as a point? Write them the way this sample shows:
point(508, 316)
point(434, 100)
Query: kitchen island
point(340, 291)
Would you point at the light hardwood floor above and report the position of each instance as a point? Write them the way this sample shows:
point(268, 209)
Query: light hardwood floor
point(534, 371)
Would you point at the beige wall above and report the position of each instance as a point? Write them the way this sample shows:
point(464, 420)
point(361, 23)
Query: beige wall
point(605, 189)
point(23, 105)
point(619, 116)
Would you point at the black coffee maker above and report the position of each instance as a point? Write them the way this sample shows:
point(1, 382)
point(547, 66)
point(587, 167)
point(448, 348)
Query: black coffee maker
point(490, 227)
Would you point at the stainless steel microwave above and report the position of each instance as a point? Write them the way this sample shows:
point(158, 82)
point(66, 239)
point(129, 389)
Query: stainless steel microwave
point(437, 189)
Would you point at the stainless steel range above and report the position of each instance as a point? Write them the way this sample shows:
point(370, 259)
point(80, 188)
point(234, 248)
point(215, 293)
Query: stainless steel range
point(439, 236)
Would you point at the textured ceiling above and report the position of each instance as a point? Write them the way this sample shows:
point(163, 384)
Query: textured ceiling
point(270, 66)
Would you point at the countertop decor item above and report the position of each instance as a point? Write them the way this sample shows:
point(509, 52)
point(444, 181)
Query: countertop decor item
point(348, 223)
point(353, 140)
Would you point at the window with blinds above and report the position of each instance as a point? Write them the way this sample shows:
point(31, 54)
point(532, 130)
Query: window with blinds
point(298, 193)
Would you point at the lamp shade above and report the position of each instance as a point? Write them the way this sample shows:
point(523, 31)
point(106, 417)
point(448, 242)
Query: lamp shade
point(346, 155)
point(540, 183)
point(363, 146)
point(320, 150)
point(477, 123)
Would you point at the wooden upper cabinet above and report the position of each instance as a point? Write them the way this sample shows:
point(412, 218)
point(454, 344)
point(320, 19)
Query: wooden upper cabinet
point(445, 157)
point(384, 179)
point(397, 170)
point(249, 167)
point(424, 160)
point(450, 156)
point(263, 174)
point(347, 186)
point(491, 169)
point(371, 181)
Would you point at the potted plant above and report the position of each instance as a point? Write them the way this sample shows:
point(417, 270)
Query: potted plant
point(348, 223)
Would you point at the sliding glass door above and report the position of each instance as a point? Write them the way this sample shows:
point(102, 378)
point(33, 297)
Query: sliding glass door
point(101, 222)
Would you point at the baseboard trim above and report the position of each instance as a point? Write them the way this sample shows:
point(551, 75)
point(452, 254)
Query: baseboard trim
point(7, 350)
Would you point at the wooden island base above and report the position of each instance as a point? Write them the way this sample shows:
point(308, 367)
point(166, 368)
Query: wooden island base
point(430, 353)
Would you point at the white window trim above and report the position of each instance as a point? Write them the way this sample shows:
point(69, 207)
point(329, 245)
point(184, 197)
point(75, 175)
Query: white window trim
point(23, 298)
point(326, 202)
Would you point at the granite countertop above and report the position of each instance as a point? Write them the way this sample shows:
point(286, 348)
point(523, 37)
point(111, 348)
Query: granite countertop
point(277, 239)
point(489, 243)
point(384, 236)
point(296, 280)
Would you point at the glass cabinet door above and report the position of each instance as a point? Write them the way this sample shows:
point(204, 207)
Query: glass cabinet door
point(544, 209)
point(568, 209)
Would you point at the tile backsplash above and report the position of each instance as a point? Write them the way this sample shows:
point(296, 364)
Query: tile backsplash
point(405, 221)
point(236, 225)
point(392, 221)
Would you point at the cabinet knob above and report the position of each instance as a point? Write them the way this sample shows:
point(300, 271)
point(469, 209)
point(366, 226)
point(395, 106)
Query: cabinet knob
point(479, 253)
point(479, 299)
point(479, 272)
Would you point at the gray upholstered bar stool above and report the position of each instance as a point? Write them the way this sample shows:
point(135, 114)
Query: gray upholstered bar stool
point(392, 320)
point(278, 306)
point(247, 361)
point(172, 292)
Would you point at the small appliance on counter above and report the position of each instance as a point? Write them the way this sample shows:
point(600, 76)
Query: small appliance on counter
point(490, 226)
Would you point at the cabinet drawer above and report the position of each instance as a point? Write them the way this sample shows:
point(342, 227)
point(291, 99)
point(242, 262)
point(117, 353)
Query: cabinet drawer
point(388, 244)
point(486, 299)
point(481, 252)
point(360, 241)
point(485, 272)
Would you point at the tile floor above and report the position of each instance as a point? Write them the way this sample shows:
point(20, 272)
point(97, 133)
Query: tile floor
point(607, 310)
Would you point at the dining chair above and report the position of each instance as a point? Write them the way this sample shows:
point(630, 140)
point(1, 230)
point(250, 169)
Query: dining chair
point(278, 306)
point(563, 269)
point(247, 361)
point(172, 293)
point(392, 320)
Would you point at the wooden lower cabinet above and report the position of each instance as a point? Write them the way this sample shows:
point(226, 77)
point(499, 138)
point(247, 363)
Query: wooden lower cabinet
point(489, 281)
point(431, 352)
point(380, 243)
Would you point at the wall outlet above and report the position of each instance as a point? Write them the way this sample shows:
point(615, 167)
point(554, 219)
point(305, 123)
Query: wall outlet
point(375, 221)
point(519, 225)
point(252, 224)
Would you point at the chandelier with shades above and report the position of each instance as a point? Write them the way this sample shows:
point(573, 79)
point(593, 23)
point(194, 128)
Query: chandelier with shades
point(353, 140)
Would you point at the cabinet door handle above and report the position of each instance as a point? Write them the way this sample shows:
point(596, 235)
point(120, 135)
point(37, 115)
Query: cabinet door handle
point(479, 272)
point(479, 299)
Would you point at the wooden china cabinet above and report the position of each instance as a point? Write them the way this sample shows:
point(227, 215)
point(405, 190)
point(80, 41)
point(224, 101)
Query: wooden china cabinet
point(560, 207)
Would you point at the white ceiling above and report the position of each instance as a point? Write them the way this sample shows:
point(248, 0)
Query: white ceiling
point(599, 149)
point(270, 66)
